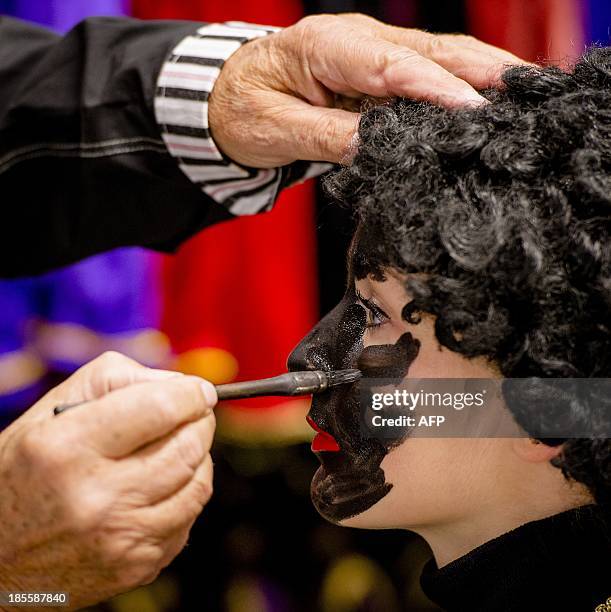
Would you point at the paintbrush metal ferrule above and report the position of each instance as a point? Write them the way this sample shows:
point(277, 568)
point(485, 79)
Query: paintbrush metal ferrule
point(292, 383)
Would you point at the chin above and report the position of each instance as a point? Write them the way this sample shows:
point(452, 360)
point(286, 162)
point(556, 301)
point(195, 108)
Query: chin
point(348, 500)
point(365, 520)
point(379, 516)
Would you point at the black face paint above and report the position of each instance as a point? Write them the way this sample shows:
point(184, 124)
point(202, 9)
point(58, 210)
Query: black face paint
point(350, 480)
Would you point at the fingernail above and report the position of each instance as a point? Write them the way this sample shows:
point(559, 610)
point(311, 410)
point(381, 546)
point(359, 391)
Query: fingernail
point(473, 99)
point(467, 98)
point(351, 150)
point(209, 392)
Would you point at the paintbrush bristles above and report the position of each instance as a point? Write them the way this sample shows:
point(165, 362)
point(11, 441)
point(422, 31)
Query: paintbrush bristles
point(343, 377)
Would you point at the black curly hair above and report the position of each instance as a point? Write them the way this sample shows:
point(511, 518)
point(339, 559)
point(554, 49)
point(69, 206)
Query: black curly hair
point(506, 208)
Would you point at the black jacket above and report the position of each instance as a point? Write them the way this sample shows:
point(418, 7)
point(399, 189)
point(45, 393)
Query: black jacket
point(83, 168)
point(559, 563)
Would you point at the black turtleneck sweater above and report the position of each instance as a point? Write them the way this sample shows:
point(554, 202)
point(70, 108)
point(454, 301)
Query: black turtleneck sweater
point(559, 563)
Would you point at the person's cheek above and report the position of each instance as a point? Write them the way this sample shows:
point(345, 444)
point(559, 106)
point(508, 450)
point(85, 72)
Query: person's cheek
point(387, 333)
point(414, 467)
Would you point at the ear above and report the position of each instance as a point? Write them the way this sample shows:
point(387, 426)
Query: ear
point(535, 451)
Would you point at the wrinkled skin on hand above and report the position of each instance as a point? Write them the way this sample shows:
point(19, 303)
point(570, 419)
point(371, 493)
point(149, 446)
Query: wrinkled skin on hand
point(97, 500)
point(293, 95)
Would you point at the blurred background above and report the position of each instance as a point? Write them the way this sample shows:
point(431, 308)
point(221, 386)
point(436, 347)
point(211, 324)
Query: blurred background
point(231, 305)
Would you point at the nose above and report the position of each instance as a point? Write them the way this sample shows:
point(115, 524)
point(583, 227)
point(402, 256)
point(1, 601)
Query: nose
point(331, 344)
point(314, 352)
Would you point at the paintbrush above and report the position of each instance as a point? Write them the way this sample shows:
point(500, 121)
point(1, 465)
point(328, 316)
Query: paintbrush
point(292, 383)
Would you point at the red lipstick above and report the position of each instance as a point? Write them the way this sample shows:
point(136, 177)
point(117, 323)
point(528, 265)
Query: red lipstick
point(323, 441)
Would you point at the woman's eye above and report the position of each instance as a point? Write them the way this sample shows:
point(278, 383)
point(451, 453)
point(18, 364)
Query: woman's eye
point(375, 315)
point(374, 319)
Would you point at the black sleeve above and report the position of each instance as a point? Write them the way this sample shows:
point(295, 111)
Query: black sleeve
point(83, 168)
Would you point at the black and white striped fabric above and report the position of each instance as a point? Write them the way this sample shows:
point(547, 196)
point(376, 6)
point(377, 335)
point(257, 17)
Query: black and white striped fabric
point(181, 107)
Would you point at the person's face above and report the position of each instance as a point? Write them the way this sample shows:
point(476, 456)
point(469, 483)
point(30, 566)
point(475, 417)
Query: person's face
point(375, 483)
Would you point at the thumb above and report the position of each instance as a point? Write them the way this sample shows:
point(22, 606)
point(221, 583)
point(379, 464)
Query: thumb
point(321, 134)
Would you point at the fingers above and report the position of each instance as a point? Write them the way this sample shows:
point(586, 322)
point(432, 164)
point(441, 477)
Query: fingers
point(495, 53)
point(179, 511)
point(379, 68)
point(352, 54)
point(173, 546)
point(468, 58)
point(477, 63)
point(420, 40)
point(127, 419)
point(162, 468)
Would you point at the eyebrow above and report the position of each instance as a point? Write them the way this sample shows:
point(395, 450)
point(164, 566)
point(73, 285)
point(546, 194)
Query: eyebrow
point(370, 304)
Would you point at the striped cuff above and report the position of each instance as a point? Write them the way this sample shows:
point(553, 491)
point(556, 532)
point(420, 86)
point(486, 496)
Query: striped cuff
point(181, 108)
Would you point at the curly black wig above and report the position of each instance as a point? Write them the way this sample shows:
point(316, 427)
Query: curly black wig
point(506, 208)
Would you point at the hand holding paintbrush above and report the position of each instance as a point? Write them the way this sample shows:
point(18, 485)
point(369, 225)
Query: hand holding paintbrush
point(292, 383)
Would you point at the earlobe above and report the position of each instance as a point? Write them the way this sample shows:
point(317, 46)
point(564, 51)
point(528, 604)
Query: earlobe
point(535, 451)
